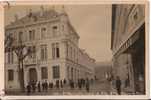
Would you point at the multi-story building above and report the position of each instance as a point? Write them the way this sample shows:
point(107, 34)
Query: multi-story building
point(57, 55)
point(128, 45)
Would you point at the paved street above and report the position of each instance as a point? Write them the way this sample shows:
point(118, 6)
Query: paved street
point(97, 88)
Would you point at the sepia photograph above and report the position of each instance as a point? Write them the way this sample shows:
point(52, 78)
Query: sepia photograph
point(75, 49)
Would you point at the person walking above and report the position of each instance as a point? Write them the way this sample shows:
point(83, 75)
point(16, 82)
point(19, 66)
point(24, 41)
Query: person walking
point(118, 85)
point(33, 86)
point(46, 85)
point(28, 88)
point(39, 86)
point(87, 85)
point(42, 86)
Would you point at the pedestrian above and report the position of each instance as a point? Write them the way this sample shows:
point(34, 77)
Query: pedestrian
point(61, 84)
point(57, 84)
point(50, 85)
point(28, 88)
point(70, 83)
point(64, 81)
point(118, 85)
point(87, 85)
point(33, 86)
point(79, 83)
point(46, 85)
point(39, 87)
point(43, 86)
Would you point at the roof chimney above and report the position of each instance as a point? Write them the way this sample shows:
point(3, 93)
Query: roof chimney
point(41, 10)
point(30, 13)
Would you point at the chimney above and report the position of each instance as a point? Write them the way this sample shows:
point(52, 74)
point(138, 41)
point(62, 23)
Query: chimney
point(30, 13)
point(41, 10)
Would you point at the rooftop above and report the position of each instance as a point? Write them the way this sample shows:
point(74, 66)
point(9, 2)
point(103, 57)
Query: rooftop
point(35, 17)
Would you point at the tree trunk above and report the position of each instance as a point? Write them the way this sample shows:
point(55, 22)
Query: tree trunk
point(21, 75)
point(22, 78)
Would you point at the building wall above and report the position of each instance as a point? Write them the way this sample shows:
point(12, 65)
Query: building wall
point(126, 33)
point(71, 56)
point(126, 24)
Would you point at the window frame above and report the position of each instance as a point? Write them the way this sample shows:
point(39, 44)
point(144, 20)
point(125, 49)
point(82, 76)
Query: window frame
point(10, 76)
point(56, 72)
point(44, 73)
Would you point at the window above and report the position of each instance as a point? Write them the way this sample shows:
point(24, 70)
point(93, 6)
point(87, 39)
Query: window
point(10, 57)
point(55, 50)
point(43, 52)
point(20, 36)
point(31, 35)
point(10, 75)
point(44, 73)
point(43, 33)
point(33, 50)
point(71, 52)
point(56, 72)
point(67, 49)
point(54, 30)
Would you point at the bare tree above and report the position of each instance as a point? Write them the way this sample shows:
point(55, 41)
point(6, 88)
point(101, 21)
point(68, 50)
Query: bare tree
point(21, 51)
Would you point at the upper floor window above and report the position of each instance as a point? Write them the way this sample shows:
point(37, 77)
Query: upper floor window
point(10, 75)
point(43, 52)
point(10, 57)
point(54, 31)
point(43, 33)
point(33, 52)
point(55, 50)
point(31, 34)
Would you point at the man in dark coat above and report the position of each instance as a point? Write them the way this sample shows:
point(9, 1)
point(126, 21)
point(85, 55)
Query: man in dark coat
point(46, 85)
point(87, 85)
point(33, 86)
point(28, 89)
point(39, 87)
point(43, 86)
point(118, 85)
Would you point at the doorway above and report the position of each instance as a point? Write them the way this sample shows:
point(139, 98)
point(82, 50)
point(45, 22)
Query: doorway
point(32, 75)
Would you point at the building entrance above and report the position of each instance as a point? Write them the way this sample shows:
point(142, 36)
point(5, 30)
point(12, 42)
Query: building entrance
point(32, 75)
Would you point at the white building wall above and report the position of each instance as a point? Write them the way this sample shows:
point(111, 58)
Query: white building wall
point(76, 60)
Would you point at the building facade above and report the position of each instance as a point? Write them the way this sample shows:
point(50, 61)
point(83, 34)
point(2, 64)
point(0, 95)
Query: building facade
point(56, 55)
point(128, 45)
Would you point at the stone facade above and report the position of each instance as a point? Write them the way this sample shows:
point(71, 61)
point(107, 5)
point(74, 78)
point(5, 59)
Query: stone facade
point(57, 55)
point(128, 45)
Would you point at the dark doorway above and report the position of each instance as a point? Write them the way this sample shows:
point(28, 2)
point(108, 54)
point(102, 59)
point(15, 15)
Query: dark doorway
point(32, 75)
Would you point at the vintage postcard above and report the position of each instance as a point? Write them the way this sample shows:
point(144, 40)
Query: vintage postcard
point(82, 50)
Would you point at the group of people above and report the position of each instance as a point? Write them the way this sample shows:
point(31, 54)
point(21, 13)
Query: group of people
point(34, 86)
point(81, 83)
point(116, 82)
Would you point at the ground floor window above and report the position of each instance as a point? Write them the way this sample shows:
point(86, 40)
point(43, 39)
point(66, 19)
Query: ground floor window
point(56, 72)
point(44, 73)
point(10, 75)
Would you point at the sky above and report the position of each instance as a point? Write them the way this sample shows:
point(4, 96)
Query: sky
point(92, 23)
